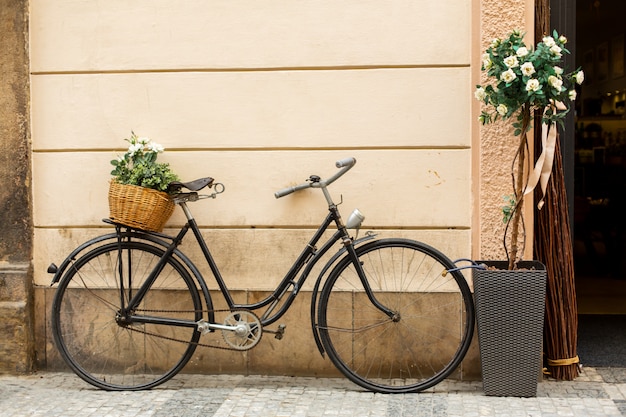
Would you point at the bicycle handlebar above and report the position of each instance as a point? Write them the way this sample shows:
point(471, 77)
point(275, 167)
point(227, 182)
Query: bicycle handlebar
point(345, 165)
point(345, 162)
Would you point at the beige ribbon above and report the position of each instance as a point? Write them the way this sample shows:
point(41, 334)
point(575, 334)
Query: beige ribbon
point(543, 168)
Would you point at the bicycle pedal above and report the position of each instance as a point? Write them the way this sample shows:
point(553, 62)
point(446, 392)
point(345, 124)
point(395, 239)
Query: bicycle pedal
point(278, 333)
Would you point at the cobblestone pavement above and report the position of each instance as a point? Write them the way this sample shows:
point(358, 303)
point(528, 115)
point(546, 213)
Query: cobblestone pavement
point(597, 392)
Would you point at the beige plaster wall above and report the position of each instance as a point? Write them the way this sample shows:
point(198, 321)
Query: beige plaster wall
point(260, 95)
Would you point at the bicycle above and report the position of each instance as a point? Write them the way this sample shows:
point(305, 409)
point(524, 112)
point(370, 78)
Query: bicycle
point(393, 315)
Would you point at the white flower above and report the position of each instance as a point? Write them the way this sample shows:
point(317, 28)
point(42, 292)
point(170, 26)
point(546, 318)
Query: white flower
point(556, 50)
point(502, 109)
point(528, 69)
point(487, 64)
point(533, 85)
point(495, 42)
point(562, 39)
point(549, 41)
point(480, 94)
point(555, 82)
point(508, 76)
point(134, 148)
point(522, 52)
point(572, 95)
point(511, 61)
point(143, 140)
point(580, 77)
point(558, 70)
point(155, 147)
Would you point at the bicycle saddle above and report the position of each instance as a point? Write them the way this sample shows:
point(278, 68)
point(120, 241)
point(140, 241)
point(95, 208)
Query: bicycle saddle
point(195, 185)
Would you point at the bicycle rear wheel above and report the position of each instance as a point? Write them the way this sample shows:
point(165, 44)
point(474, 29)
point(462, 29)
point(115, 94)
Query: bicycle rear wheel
point(99, 343)
point(425, 340)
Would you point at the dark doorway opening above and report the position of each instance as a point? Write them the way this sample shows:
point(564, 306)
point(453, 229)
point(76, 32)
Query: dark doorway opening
point(600, 158)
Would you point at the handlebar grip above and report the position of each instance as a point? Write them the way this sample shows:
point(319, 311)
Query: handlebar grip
point(284, 192)
point(345, 162)
point(289, 190)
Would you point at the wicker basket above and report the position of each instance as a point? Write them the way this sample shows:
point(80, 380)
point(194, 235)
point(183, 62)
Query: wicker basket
point(139, 207)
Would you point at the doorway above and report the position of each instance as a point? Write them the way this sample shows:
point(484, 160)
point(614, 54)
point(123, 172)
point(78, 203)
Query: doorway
point(600, 159)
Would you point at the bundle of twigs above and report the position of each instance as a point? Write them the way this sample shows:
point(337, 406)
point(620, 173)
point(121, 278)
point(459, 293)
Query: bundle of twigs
point(553, 247)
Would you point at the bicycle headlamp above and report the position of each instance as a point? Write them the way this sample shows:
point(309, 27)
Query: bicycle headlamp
point(355, 219)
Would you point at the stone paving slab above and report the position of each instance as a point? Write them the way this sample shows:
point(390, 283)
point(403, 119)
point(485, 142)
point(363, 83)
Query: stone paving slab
point(597, 392)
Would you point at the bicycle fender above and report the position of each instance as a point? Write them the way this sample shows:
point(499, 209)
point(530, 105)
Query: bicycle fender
point(316, 288)
point(59, 271)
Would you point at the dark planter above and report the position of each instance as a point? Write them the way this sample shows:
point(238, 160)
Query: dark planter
point(510, 309)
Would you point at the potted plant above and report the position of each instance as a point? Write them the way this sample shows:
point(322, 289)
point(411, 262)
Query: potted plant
point(137, 191)
point(510, 295)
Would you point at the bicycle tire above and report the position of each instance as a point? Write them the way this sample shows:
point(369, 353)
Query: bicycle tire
point(107, 352)
point(433, 329)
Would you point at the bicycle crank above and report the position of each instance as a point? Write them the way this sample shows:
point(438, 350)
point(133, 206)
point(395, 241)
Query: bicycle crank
point(241, 330)
point(245, 332)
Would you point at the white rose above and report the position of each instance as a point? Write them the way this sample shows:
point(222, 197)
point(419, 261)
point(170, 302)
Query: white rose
point(558, 70)
point(508, 76)
point(511, 61)
point(580, 77)
point(562, 39)
point(502, 109)
point(572, 95)
point(532, 85)
point(487, 64)
point(556, 50)
point(555, 82)
point(480, 94)
point(528, 69)
point(549, 41)
point(522, 52)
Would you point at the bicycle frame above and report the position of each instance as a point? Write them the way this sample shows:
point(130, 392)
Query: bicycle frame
point(303, 265)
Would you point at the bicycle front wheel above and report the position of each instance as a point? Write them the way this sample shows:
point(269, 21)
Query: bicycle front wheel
point(425, 336)
point(99, 339)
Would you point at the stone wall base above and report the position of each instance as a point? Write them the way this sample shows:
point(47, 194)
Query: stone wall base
point(17, 342)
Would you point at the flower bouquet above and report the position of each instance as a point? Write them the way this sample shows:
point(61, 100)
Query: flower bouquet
point(137, 196)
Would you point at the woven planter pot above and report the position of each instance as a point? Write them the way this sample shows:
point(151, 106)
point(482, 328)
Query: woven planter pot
point(139, 207)
point(510, 309)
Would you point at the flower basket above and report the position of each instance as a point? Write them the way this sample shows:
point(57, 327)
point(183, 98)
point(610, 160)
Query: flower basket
point(139, 207)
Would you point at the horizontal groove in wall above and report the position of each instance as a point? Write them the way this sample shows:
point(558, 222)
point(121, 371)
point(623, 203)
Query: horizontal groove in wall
point(261, 69)
point(361, 148)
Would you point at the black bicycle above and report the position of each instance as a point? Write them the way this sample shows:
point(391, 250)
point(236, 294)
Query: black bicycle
point(393, 315)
